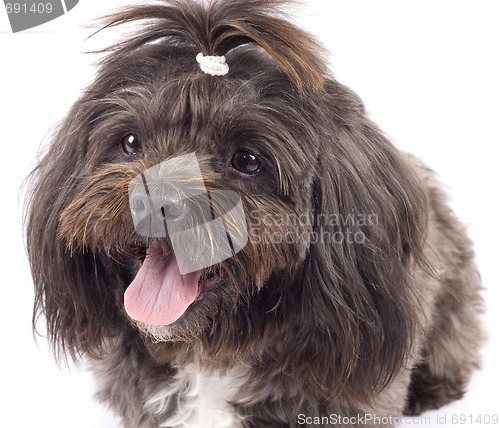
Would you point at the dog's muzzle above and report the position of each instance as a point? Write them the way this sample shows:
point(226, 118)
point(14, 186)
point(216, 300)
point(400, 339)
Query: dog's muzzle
point(204, 225)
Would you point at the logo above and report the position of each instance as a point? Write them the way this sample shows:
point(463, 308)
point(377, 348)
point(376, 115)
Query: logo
point(171, 200)
point(28, 14)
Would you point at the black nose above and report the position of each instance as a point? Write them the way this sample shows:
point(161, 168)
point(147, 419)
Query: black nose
point(167, 208)
point(172, 208)
point(156, 209)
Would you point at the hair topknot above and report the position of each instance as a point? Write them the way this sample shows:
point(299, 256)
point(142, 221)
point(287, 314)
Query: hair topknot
point(215, 27)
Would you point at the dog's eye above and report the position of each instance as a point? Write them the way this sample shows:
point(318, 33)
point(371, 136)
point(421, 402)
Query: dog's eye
point(246, 162)
point(131, 144)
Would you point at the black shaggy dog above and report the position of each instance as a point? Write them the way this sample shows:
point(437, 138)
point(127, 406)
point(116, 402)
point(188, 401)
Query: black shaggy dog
point(351, 296)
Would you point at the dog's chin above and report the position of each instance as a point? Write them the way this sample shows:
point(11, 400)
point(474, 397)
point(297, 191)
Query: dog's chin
point(158, 333)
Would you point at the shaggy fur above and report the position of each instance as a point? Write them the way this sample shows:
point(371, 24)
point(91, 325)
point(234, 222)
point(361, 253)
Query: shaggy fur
point(317, 325)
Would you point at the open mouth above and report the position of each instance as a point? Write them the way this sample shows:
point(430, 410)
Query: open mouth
point(159, 294)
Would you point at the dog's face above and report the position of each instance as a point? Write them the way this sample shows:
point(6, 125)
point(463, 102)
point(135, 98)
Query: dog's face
point(250, 138)
point(332, 218)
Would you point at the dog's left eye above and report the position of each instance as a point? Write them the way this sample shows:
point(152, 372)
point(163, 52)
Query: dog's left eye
point(246, 162)
point(131, 144)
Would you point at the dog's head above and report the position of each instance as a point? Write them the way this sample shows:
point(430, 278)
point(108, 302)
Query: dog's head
point(225, 211)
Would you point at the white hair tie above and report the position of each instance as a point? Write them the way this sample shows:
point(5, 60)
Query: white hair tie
point(213, 65)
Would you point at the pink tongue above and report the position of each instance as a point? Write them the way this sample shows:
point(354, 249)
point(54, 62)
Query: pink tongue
point(159, 294)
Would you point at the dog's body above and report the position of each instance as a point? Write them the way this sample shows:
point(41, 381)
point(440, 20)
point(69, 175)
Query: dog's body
point(365, 308)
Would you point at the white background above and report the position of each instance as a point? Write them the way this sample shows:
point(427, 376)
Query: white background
point(429, 74)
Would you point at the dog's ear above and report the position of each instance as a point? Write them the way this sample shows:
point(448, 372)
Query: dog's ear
point(369, 223)
point(73, 289)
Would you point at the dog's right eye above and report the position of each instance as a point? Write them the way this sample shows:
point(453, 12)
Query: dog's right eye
point(131, 144)
point(246, 163)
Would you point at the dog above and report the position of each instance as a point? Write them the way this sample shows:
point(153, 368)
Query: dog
point(223, 235)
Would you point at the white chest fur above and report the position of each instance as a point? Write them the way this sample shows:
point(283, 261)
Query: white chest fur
point(200, 398)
